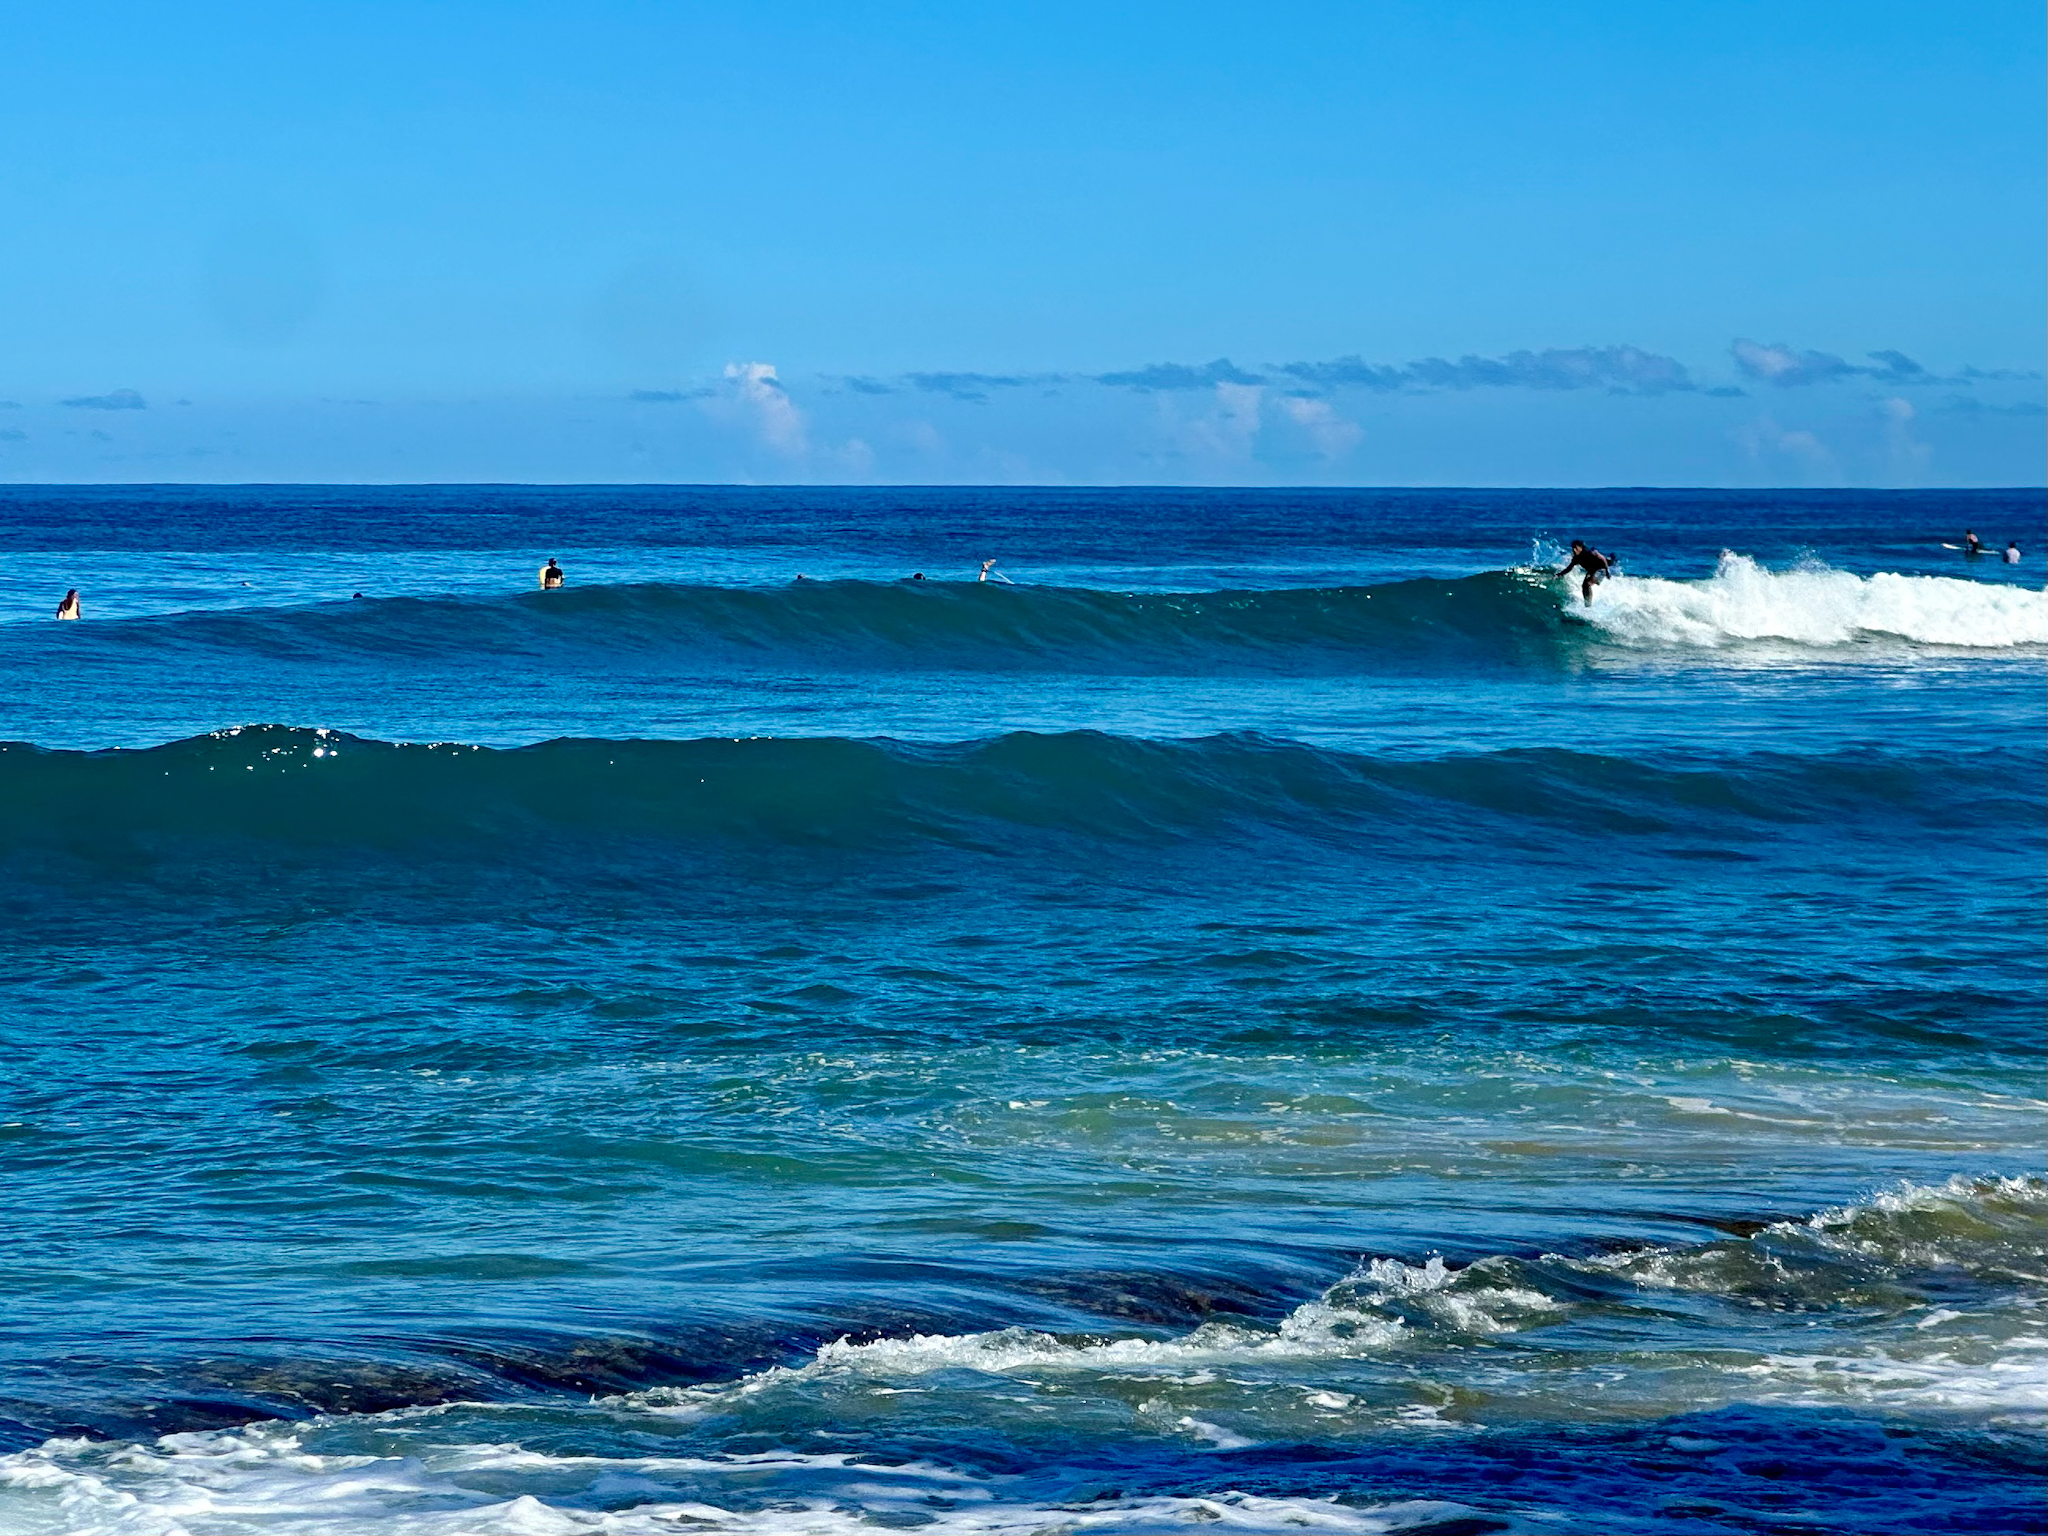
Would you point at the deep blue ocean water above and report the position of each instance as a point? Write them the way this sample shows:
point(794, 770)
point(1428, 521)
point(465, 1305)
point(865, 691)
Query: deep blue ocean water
point(1267, 1014)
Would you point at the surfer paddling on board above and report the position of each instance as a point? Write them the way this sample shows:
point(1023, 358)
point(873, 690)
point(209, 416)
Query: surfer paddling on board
point(550, 575)
point(1592, 562)
point(68, 609)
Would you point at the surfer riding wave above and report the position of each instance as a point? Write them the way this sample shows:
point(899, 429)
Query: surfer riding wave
point(1596, 566)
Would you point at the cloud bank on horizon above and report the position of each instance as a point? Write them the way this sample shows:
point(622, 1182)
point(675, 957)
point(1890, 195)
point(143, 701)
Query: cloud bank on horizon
point(1337, 420)
point(1223, 419)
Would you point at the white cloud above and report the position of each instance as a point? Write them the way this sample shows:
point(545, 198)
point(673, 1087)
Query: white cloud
point(1777, 447)
point(921, 437)
point(1909, 455)
point(1332, 435)
point(759, 396)
point(854, 458)
point(1228, 429)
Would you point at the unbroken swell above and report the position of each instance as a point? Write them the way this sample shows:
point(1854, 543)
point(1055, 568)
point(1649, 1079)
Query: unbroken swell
point(302, 786)
point(863, 625)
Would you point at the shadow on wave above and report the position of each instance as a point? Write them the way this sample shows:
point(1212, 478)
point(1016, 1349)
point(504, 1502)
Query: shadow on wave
point(314, 787)
point(1498, 616)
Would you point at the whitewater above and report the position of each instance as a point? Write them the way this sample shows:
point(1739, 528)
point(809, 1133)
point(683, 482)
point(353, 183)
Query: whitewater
point(1813, 605)
point(1279, 1016)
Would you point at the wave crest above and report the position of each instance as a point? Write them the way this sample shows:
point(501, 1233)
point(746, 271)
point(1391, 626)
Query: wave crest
point(1816, 606)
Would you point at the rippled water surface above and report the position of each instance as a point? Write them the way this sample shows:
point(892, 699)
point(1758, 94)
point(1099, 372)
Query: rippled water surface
point(1274, 1016)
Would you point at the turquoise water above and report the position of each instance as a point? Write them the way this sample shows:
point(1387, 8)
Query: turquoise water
point(1274, 1018)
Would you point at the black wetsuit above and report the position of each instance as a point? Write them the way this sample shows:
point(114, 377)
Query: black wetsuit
point(1593, 563)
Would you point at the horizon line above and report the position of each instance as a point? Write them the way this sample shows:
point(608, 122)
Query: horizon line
point(940, 485)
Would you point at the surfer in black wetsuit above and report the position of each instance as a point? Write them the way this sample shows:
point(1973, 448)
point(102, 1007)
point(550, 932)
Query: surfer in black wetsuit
point(550, 575)
point(1592, 562)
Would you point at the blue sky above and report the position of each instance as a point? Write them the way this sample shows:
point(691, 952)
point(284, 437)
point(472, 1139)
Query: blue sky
point(1228, 244)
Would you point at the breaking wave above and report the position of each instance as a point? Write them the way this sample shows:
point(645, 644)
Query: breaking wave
point(1816, 606)
point(1812, 1356)
point(1872, 1256)
point(1518, 617)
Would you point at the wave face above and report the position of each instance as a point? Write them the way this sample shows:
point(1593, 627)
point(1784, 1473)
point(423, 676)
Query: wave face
point(1517, 617)
point(852, 625)
point(299, 786)
point(1659, 1389)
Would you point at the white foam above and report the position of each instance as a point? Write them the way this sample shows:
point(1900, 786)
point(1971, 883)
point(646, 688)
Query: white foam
point(2010, 1378)
point(1465, 1299)
point(1814, 605)
point(1959, 1192)
point(262, 1480)
point(1314, 1330)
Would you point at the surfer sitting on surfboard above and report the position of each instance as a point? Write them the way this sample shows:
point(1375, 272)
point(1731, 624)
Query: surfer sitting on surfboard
point(1592, 562)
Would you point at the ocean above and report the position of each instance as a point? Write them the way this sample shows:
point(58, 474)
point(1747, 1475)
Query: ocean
point(1268, 1013)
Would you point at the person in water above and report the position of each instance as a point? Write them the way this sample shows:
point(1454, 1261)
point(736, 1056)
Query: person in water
point(2012, 551)
point(550, 575)
point(985, 566)
point(1972, 545)
point(1592, 562)
point(68, 609)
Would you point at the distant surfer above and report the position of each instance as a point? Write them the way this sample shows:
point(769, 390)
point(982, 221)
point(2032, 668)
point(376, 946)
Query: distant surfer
point(989, 572)
point(1596, 566)
point(550, 575)
point(2012, 551)
point(1972, 545)
point(985, 567)
point(68, 609)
